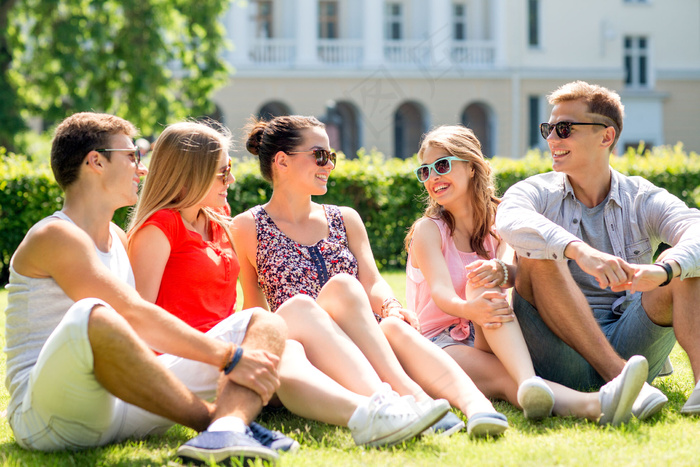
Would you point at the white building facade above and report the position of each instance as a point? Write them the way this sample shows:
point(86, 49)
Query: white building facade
point(381, 73)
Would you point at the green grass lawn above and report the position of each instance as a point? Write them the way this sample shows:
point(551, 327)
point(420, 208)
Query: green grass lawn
point(667, 439)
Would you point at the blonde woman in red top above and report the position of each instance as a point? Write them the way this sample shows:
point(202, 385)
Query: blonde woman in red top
point(182, 258)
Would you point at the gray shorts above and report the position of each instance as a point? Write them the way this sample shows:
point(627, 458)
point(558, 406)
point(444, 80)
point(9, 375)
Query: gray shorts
point(631, 333)
point(444, 339)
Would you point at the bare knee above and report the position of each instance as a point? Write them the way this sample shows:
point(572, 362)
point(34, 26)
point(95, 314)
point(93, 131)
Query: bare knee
point(300, 308)
point(105, 323)
point(344, 287)
point(267, 327)
point(395, 329)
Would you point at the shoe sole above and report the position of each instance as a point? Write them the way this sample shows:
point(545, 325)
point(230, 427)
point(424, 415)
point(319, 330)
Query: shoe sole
point(202, 456)
point(690, 409)
point(633, 376)
point(653, 407)
point(537, 402)
point(412, 430)
point(487, 427)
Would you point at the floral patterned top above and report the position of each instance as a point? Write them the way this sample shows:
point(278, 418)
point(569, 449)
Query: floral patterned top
point(287, 268)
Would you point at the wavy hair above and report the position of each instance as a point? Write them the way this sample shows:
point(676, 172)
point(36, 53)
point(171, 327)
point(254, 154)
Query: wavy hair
point(460, 141)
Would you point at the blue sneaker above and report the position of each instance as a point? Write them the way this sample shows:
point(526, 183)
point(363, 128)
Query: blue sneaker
point(447, 425)
point(273, 439)
point(218, 446)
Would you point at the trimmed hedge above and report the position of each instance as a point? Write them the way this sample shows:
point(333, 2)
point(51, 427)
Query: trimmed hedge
point(384, 192)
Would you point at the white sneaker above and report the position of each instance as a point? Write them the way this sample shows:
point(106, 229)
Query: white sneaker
point(617, 397)
point(649, 402)
point(385, 419)
point(536, 398)
point(429, 410)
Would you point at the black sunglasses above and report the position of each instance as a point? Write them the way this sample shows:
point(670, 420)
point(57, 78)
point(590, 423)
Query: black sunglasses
point(563, 128)
point(322, 156)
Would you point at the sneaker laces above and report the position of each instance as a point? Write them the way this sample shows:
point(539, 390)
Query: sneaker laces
point(262, 434)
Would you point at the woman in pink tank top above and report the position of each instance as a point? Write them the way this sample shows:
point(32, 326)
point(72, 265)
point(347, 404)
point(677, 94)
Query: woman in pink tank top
point(455, 274)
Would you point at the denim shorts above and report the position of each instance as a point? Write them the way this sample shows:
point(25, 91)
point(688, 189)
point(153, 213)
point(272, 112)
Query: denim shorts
point(444, 339)
point(631, 333)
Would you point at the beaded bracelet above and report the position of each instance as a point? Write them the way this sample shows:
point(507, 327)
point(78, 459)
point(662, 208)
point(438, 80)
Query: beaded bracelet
point(234, 361)
point(388, 304)
point(505, 272)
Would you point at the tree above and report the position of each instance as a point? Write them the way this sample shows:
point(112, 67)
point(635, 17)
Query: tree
point(149, 61)
point(10, 121)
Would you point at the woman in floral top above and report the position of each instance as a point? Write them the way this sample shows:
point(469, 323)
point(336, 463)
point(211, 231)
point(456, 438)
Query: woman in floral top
point(292, 246)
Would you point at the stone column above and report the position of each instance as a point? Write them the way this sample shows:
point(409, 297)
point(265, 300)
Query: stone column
point(307, 33)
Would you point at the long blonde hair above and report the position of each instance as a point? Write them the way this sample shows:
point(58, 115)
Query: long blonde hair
point(460, 141)
point(181, 172)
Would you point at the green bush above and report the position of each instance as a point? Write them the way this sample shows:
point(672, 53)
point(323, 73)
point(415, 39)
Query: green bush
point(384, 192)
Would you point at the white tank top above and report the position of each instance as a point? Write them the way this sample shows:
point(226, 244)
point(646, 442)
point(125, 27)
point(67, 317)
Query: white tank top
point(34, 309)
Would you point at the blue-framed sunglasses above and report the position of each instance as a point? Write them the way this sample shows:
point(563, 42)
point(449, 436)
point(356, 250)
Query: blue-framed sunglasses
point(442, 166)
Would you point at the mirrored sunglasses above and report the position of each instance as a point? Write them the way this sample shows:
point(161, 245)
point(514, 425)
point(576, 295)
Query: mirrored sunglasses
point(442, 166)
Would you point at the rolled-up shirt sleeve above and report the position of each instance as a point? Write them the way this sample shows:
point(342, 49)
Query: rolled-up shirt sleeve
point(677, 225)
point(526, 219)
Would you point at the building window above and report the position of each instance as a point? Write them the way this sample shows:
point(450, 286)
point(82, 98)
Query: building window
point(459, 32)
point(328, 20)
point(636, 62)
point(394, 21)
point(533, 18)
point(263, 19)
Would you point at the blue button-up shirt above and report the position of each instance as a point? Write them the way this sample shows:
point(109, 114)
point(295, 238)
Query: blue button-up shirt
point(540, 216)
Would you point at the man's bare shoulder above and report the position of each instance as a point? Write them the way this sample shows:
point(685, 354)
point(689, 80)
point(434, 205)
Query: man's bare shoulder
point(44, 242)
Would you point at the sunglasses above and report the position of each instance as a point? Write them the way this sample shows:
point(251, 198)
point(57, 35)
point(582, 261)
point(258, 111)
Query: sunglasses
point(563, 128)
point(322, 156)
point(135, 155)
point(442, 166)
point(226, 173)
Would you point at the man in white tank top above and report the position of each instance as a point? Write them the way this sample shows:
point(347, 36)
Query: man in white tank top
point(81, 371)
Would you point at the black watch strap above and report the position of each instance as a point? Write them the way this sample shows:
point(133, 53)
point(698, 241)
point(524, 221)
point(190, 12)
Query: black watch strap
point(669, 273)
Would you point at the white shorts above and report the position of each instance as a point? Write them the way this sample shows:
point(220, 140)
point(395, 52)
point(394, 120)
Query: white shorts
point(64, 406)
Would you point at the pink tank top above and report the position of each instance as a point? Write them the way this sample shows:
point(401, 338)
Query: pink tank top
point(432, 319)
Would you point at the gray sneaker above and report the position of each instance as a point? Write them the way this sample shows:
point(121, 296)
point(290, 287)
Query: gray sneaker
point(692, 405)
point(667, 369)
point(617, 397)
point(649, 402)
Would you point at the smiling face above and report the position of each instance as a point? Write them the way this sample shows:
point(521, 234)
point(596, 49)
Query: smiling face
point(585, 151)
point(304, 170)
point(448, 188)
point(218, 192)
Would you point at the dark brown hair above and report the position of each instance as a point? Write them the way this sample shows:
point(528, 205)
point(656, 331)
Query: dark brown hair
point(266, 138)
point(79, 134)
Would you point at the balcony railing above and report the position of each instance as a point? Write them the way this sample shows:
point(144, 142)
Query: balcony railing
point(407, 52)
point(350, 53)
point(272, 51)
point(340, 51)
point(473, 53)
